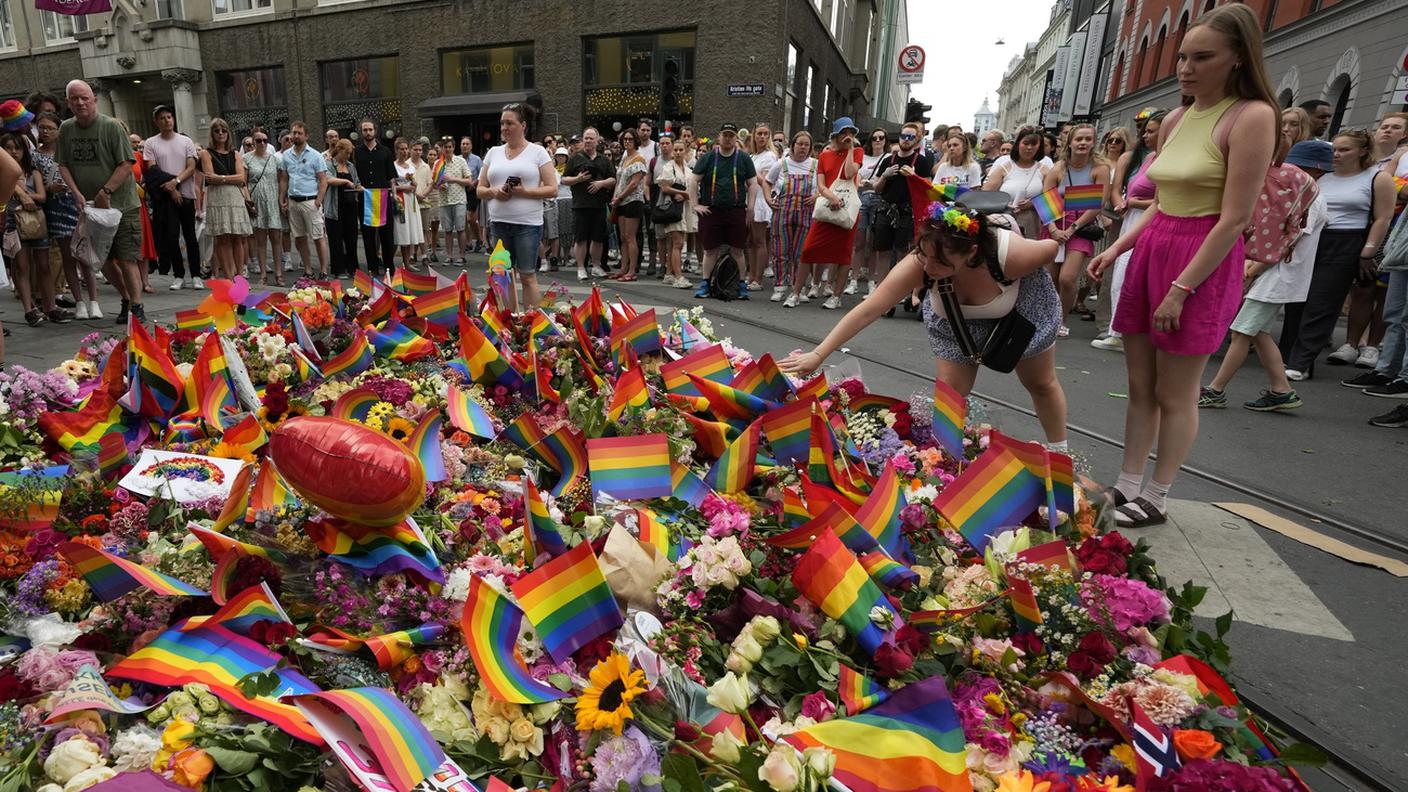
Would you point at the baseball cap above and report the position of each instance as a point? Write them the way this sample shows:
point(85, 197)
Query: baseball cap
point(728, 126)
point(1312, 154)
point(163, 109)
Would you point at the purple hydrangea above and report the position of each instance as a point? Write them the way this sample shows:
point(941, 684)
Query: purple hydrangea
point(625, 758)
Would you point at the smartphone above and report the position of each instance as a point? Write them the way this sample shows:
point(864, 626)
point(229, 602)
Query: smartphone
point(513, 181)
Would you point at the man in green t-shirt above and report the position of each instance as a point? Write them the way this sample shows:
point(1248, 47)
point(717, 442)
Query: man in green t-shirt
point(719, 194)
point(95, 160)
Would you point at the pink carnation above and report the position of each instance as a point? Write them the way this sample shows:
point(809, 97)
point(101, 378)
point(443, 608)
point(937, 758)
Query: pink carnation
point(1124, 603)
point(48, 670)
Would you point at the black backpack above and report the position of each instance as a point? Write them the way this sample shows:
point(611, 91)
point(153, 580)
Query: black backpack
point(727, 279)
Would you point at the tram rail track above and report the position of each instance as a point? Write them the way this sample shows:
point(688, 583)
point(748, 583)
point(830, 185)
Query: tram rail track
point(1347, 768)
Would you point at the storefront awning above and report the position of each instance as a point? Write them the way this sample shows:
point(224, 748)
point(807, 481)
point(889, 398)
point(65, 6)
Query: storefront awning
point(471, 104)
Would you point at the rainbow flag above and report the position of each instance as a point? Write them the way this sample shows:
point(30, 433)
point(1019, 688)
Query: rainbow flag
point(437, 172)
point(216, 399)
point(788, 430)
point(1084, 197)
point(711, 363)
point(541, 327)
point(111, 576)
point(524, 432)
point(247, 434)
point(405, 751)
point(417, 283)
point(932, 621)
point(304, 338)
point(728, 403)
point(630, 392)
point(376, 207)
point(641, 333)
point(542, 378)
point(651, 531)
point(1050, 206)
point(494, 325)
point(305, 368)
point(237, 502)
point(872, 401)
point(763, 379)
point(950, 415)
point(269, 493)
point(1024, 605)
point(630, 468)
point(355, 405)
point(380, 552)
point(244, 610)
point(912, 742)
point(482, 358)
point(219, 658)
point(710, 437)
point(832, 578)
point(996, 491)
point(880, 514)
point(888, 572)
point(218, 545)
point(814, 388)
point(733, 471)
point(466, 414)
point(393, 649)
point(1054, 469)
point(440, 306)
point(859, 692)
point(156, 372)
point(592, 315)
point(353, 360)
point(379, 309)
point(794, 509)
point(395, 341)
point(363, 282)
point(84, 428)
point(491, 624)
point(564, 451)
point(1051, 554)
point(568, 601)
point(194, 319)
point(835, 519)
point(540, 534)
point(685, 485)
point(424, 443)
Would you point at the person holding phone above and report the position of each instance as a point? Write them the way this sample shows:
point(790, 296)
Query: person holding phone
point(516, 177)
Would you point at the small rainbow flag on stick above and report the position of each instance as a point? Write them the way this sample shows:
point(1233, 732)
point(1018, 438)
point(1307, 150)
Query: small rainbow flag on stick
point(1052, 467)
point(376, 207)
point(540, 534)
point(950, 415)
point(858, 691)
point(880, 514)
point(1050, 206)
point(247, 608)
point(630, 468)
point(651, 531)
point(1084, 197)
point(353, 360)
point(112, 576)
point(711, 363)
point(686, 486)
point(194, 319)
point(996, 491)
point(831, 576)
point(404, 749)
point(1024, 605)
point(734, 469)
point(630, 392)
point(568, 601)
point(889, 573)
point(640, 332)
point(491, 624)
point(466, 414)
point(395, 648)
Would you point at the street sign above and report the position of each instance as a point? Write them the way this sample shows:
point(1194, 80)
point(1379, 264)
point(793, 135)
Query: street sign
point(746, 89)
point(911, 65)
point(1400, 91)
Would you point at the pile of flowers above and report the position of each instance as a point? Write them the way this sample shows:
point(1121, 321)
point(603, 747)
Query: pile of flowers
point(721, 668)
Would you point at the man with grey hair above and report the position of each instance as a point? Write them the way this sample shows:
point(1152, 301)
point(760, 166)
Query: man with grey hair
point(95, 160)
point(990, 148)
point(591, 176)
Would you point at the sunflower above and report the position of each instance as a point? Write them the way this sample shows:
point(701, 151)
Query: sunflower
point(226, 450)
point(400, 429)
point(606, 703)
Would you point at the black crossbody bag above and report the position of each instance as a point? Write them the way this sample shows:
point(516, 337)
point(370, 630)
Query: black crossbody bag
point(1007, 342)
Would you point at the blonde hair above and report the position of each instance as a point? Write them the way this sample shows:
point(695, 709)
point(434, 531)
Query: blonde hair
point(219, 123)
point(761, 143)
point(1117, 132)
point(1248, 80)
point(967, 148)
point(1365, 142)
point(1302, 121)
point(1097, 156)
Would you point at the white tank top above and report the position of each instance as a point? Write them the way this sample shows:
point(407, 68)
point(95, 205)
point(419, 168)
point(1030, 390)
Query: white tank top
point(1023, 184)
point(1349, 199)
point(999, 306)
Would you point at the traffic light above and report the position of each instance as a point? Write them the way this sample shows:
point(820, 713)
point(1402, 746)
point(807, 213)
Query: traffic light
point(670, 89)
point(917, 111)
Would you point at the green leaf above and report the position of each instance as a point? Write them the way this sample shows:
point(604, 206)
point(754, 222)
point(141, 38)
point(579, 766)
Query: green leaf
point(1302, 755)
point(560, 681)
point(232, 761)
point(1224, 623)
point(683, 770)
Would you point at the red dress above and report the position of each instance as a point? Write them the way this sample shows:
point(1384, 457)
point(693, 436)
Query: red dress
point(148, 239)
point(827, 243)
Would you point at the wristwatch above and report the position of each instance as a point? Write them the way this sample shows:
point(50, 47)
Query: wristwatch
point(105, 189)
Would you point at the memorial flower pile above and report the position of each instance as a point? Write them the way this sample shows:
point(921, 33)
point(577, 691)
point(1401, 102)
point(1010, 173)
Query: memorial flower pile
point(396, 537)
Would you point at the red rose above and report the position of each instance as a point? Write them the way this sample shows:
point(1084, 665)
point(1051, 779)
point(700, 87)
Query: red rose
point(1028, 643)
point(912, 640)
point(891, 660)
point(687, 732)
point(1083, 665)
point(1097, 560)
point(271, 633)
point(1097, 646)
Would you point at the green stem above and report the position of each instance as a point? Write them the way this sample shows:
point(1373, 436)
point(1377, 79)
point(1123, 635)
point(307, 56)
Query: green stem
point(748, 717)
point(670, 738)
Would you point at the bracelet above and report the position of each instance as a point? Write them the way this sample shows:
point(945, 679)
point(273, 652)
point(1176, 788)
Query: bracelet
point(1370, 246)
point(1186, 289)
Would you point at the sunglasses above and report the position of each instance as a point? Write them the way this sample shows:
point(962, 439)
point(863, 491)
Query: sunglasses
point(907, 137)
point(261, 140)
point(881, 139)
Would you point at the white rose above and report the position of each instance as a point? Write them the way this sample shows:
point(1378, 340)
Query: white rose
point(782, 769)
point(820, 761)
point(89, 777)
point(731, 693)
point(725, 747)
point(748, 648)
point(71, 757)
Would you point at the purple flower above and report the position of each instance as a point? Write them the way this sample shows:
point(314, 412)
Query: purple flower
point(1124, 603)
point(1210, 775)
point(626, 758)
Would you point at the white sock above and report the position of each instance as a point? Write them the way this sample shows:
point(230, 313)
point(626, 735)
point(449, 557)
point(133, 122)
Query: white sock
point(1129, 484)
point(1157, 495)
point(1059, 445)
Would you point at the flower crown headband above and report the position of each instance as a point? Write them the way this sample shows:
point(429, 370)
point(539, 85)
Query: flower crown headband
point(959, 219)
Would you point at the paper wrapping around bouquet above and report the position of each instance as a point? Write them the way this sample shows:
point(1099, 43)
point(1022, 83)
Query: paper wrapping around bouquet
point(348, 470)
point(632, 571)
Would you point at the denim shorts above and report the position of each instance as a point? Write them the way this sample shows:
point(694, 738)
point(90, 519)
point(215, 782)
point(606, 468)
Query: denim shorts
point(521, 242)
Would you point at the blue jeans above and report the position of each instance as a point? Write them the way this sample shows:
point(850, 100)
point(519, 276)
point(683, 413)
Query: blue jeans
point(521, 242)
point(1393, 352)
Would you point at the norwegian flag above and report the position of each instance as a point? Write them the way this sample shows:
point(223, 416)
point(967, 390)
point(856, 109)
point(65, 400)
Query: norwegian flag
point(1153, 748)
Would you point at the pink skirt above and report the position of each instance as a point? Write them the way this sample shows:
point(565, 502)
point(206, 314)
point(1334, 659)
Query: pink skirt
point(1161, 252)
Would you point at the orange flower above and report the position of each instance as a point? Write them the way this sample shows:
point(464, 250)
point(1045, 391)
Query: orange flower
point(1195, 744)
point(190, 766)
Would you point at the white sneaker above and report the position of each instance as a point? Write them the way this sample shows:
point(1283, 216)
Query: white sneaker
point(1295, 376)
point(95, 311)
point(815, 290)
point(197, 283)
point(175, 286)
point(1343, 356)
point(80, 311)
point(543, 267)
point(873, 284)
point(683, 283)
point(833, 302)
point(806, 298)
point(1111, 343)
point(1368, 357)
point(826, 290)
point(767, 273)
point(598, 272)
point(582, 273)
point(778, 292)
point(790, 302)
point(850, 288)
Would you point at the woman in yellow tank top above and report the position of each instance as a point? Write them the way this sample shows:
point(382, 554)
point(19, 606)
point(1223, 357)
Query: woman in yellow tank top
point(1182, 287)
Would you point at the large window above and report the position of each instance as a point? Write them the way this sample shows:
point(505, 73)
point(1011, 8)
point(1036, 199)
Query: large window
point(790, 101)
point(169, 9)
point(7, 28)
point(807, 97)
point(60, 28)
point(362, 88)
point(237, 7)
point(253, 96)
point(631, 77)
point(487, 69)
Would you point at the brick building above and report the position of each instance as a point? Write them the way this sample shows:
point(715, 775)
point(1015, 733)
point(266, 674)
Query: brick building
point(433, 67)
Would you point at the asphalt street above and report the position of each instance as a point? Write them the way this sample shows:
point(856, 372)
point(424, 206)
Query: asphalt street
point(1317, 640)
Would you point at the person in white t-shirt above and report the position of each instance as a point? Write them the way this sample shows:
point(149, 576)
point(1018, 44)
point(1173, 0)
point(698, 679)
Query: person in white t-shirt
point(759, 212)
point(958, 165)
point(515, 179)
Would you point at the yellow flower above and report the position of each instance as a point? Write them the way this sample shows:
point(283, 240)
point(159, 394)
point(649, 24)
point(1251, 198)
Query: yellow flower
point(1107, 784)
point(1021, 781)
point(226, 450)
point(400, 429)
point(606, 701)
point(1125, 753)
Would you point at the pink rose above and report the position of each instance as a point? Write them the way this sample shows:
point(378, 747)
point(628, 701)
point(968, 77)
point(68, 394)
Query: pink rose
point(817, 706)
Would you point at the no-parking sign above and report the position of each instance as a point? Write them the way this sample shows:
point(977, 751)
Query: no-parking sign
point(911, 65)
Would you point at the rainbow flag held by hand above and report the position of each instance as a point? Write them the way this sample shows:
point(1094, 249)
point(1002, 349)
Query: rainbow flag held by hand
point(467, 415)
point(912, 742)
point(568, 601)
point(832, 578)
point(376, 207)
point(996, 491)
point(1050, 206)
point(491, 625)
point(1084, 197)
point(111, 576)
point(859, 692)
point(405, 751)
point(950, 416)
point(630, 468)
point(437, 173)
point(763, 379)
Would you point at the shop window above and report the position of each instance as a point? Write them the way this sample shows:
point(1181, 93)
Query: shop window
point(487, 69)
point(627, 78)
point(253, 96)
point(362, 88)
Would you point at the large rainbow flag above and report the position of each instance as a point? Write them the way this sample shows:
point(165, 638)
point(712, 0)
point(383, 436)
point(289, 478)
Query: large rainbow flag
point(112, 576)
point(831, 576)
point(491, 624)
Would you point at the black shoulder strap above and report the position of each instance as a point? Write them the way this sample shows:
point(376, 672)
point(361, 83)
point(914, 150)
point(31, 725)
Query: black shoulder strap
point(944, 288)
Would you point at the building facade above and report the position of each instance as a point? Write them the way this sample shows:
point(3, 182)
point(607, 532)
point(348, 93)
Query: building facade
point(984, 119)
point(432, 68)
